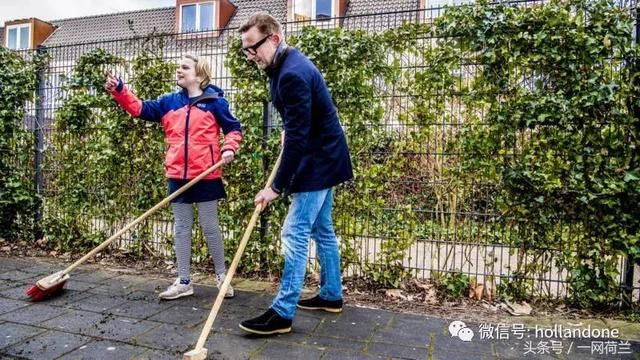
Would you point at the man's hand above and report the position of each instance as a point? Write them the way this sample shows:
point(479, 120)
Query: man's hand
point(227, 156)
point(111, 82)
point(264, 197)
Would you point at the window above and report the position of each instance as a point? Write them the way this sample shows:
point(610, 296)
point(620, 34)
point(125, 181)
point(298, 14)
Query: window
point(435, 8)
point(197, 17)
point(18, 37)
point(442, 3)
point(304, 10)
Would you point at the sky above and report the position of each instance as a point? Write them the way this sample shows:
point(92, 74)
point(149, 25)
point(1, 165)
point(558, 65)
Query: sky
point(63, 9)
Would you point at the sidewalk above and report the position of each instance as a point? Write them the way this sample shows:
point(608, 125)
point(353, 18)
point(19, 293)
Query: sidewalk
point(110, 315)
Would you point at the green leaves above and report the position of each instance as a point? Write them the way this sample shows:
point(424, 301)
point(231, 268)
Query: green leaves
point(17, 195)
point(108, 165)
point(556, 97)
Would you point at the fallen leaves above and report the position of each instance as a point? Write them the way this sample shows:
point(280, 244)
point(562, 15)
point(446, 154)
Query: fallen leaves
point(394, 293)
point(516, 309)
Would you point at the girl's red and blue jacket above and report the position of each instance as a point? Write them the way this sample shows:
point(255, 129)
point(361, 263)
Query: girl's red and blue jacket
point(191, 128)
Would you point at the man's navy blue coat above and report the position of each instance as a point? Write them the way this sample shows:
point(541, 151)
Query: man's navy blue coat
point(315, 154)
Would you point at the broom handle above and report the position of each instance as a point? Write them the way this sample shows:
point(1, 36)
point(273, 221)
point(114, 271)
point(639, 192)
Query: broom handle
point(234, 264)
point(142, 217)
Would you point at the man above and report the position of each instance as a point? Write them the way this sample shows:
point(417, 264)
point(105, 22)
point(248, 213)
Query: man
point(315, 158)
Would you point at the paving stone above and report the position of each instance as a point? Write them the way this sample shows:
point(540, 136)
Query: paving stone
point(172, 338)
point(445, 354)
point(142, 296)
point(17, 292)
point(257, 300)
point(157, 355)
point(33, 314)
point(8, 264)
point(399, 351)
point(510, 349)
point(113, 288)
point(229, 324)
point(444, 346)
point(7, 305)
point(140, 309)
point(278, 350)
point(134, 280)
point(75, 321)
point(94, 276)
point(49, 345)
point(232, 347)
point(43, 269)
point(346, 355)
point(153, 287)
point(294, 337)
point(14, 333)
point(105, 350)
point(90, 310)
point(336, 343)
point(120, 328)
point(67, 298)
point(11, 284)
point(182, 315)
point(305, 323)
point(16, 275)
point(359, 330)
point(98, 303)
point(410, 331)
point(77, 285)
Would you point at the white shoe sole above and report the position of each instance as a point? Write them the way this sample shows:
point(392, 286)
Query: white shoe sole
point(278, 331)
point(186, 293)
point(327, 309)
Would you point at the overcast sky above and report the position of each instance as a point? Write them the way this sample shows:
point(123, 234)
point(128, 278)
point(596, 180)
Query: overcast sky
point(63, 9)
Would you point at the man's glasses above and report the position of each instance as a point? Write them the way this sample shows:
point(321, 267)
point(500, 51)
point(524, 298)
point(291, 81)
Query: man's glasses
point(252, 50)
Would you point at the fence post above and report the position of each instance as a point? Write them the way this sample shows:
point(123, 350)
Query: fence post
point(627, 286)
point(266, 132)
point(39, 144)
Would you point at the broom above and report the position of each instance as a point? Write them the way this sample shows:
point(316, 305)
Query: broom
point(54, 283)
point(200, 352)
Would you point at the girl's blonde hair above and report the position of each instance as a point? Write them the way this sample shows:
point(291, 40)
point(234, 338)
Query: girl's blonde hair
point(203, 69)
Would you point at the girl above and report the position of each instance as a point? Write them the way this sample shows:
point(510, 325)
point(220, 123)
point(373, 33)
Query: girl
point(191, 119)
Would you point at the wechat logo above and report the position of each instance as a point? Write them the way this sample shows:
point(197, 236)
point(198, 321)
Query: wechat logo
point(460, 330)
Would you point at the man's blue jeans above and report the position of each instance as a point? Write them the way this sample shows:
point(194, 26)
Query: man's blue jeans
point(309, 216)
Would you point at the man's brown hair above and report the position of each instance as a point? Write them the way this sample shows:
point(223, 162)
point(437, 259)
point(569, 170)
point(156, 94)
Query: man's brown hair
point(264, 22)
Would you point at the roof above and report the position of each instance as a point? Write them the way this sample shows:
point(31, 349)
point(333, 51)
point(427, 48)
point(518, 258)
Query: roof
point(399, 11)
point(125, 25)
point(112, 26)
point(246, 8)
point(361, 7)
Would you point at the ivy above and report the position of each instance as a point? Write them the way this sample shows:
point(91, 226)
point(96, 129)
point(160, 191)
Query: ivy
point(17, 197)
point(558, 138)
point(110, 166)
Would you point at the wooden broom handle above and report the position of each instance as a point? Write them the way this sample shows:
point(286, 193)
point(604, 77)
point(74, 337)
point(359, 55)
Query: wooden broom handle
point(234, 264)
point(142, 217)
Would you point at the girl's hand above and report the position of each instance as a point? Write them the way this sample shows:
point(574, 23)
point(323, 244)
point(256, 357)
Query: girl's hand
point(227, 156)
point(111, 82)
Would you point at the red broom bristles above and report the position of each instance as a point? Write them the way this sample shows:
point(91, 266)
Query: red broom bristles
point(38, 294)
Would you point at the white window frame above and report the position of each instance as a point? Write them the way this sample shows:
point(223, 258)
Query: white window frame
point(17, 27)
point(314, 9)
point(213, 7)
